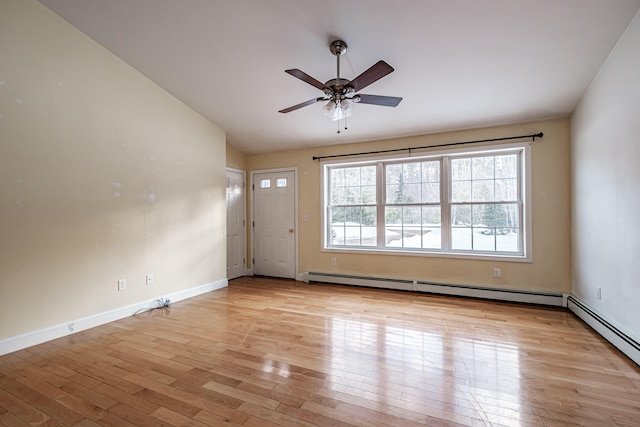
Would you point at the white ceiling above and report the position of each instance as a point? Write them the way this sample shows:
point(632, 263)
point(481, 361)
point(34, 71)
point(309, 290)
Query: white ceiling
point(458, 63)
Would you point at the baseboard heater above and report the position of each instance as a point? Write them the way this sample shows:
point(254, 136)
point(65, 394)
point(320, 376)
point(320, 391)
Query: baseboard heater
point(618, 338)
point(541, 298)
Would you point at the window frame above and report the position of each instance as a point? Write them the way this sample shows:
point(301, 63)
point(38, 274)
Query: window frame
point(444, 156)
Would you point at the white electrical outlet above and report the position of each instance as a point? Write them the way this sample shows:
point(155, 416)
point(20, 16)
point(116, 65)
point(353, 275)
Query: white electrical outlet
point(149, 279)
point(122, 284)
point(497, 273)
point(334, 261)
point(599, 292)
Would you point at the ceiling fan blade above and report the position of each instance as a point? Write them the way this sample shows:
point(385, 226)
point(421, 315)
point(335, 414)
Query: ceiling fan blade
point(302, 104)
point(375, 73)
point(385, 101)
point(306, 78)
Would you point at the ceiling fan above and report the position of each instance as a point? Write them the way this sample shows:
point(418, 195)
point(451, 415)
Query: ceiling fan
point(340, 92)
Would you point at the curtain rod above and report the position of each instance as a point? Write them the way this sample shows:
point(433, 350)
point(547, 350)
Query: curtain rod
point(507, 138)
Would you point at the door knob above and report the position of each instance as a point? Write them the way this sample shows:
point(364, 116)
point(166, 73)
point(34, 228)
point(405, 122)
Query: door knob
point(291, 230)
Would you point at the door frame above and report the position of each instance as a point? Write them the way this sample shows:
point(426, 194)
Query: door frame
point(244, 214)
point(252, 187)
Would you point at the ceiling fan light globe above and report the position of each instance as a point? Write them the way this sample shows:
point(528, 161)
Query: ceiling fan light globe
point(345, 106)
point(339, 110)
point(329, 109)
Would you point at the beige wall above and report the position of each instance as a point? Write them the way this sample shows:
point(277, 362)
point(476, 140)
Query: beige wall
point(236, 158)
point(103, 176)
point(550, 269)
point(606, 188)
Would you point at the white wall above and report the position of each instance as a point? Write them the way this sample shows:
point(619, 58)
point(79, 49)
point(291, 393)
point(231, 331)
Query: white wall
point(103, 176)
point(606, 188)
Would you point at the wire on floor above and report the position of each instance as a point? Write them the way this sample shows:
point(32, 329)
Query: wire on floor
point(162, 303)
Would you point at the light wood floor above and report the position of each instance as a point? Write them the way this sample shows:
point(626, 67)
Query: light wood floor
point(268, 352)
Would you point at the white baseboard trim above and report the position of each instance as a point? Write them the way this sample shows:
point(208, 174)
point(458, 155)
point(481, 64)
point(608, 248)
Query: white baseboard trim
point(618, 338)
point(509, 295)
point(11, 344)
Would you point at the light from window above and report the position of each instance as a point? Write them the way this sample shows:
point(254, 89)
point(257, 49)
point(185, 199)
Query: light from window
point(412, 208)
point(265, 183)
point(485, 212)
point(353, 209)
point(460, 203)
point(281, 182)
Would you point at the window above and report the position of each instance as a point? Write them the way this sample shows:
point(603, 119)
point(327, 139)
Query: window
point(469, 202)
point(265, 183)
point(353, 209)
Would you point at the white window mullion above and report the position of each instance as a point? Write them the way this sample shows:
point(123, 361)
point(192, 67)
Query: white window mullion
point(445, 197)
point(381, 194)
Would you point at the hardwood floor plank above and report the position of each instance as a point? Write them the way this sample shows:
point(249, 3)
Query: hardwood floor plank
point(271, 394)
point(274, 417)
point(258, 422)
point(48, 405)
point(242, 395)
point(313, 417)
point(229, 418)
point(125, 412)
point(89, 395)
point(271, 352)
point(176, 419)
point(9, 420)
point(21, 409)
point(350, 418)
point(120, 396)
point(86, 423)
point(165, 402)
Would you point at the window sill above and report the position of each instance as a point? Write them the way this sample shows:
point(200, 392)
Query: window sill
point(434, 254)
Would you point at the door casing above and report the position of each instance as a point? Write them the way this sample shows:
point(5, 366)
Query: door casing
point(243, 236)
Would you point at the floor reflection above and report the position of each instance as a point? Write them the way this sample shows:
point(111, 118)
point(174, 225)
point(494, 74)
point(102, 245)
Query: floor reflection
point(426, 371)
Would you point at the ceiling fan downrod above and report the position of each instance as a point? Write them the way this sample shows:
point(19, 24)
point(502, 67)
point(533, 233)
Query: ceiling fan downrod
point(339, 89)
point(338, 48)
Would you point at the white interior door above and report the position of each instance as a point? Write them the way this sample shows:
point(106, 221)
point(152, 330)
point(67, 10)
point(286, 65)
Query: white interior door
point(235, 224)
point(274, 224)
